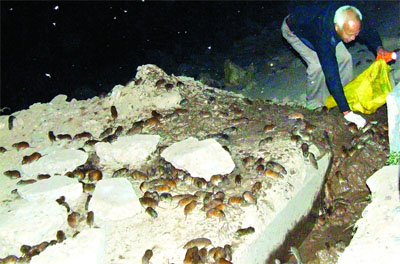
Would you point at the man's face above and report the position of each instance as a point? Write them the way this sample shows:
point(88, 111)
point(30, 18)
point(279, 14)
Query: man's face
point(350, 30)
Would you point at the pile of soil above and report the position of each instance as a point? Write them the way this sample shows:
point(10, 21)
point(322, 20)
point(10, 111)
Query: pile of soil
point(244, 126)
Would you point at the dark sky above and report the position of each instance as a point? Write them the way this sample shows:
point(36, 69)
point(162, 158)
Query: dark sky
point(81, 48)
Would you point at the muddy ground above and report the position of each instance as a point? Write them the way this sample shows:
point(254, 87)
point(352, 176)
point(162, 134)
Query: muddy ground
point(357, 154)
point(356, 157)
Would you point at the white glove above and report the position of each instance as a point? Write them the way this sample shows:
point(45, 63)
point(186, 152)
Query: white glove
point(356, 119)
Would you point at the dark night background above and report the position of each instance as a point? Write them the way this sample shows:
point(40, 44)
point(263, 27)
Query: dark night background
point(95, 45)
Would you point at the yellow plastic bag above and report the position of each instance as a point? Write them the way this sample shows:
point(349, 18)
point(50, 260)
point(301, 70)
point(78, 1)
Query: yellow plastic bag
point(368, 91)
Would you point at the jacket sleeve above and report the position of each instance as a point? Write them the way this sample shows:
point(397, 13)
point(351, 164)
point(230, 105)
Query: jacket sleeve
point(327, 57)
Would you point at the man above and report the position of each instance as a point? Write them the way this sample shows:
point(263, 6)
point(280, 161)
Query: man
point(317, 33)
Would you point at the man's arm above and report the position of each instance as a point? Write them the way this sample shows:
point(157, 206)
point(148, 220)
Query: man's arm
point(327, 58)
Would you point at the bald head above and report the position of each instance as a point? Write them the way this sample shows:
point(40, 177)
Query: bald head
point(347, 22)
point(345, 13)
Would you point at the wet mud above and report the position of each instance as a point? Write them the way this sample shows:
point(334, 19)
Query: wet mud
point(357, 155)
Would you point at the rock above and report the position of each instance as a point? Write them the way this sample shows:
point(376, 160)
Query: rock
point(30, 223)
point(57, 161)
point(377, 239)
point(59, 99)
point(128, 150)
point(134, 99)
point(87, 247)
point(114, 199)
point(149, 73)
point(200, 158)
point(51, 189)
point(393, 110)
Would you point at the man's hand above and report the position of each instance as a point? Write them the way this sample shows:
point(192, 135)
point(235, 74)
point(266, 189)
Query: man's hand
point(385, 54)
point(356, 119)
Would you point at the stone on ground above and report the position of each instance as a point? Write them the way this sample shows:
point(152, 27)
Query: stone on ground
point(87, 247)
point(200, 158)
point(30, 223)
point(114, 199)
point(51, 189)
point(127, 150)
point(56, 161)
point(377, 239)
point(393, 109)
